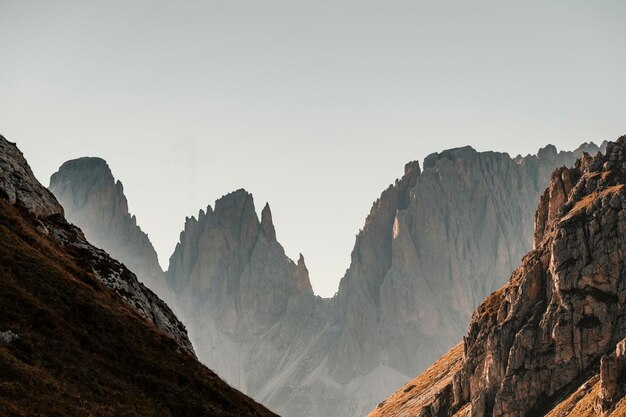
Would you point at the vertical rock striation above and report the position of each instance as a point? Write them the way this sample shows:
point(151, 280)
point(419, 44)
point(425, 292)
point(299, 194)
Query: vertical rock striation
point(434, 245)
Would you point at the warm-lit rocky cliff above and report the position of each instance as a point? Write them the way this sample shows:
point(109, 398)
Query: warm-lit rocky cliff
point(551, 341)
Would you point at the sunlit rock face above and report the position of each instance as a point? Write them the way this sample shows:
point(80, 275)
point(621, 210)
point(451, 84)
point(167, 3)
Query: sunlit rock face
point(95, 202)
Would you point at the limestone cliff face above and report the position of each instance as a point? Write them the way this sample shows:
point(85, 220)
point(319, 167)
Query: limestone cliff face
point(550, 341)
point(434, 245)
point(230, 263)
point(247, 304)
point(95, 202)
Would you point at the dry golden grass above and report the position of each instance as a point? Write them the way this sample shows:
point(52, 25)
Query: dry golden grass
point(409, 400)
point(588, 200)
point(579, 403)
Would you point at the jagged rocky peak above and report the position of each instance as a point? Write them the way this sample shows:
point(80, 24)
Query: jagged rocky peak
point(434, 246)
point(248, 305)
point(228, 252)
point(94, 201)
point(267, 225)
point(86, 187)
point(302, 276)
point(412, 167)
point(464, 152)
point(549, 343)
point(19, 186)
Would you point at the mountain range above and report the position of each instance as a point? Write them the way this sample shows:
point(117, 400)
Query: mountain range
point(435, 244)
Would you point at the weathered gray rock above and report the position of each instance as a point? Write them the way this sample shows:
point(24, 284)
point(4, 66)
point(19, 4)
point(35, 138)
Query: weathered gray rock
point(8, 337)
point(249, 307)
point(95, 202)
point(434, 246)
point(19, 186)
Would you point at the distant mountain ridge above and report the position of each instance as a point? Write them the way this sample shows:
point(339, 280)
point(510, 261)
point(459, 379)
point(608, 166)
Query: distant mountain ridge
point(423, 261)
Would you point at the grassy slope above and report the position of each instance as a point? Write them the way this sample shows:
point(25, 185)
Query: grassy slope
point(82, 351)
point(409, 400)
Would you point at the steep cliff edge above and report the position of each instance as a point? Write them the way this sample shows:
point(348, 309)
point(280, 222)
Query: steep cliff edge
point(79, 335)
point(550, 342)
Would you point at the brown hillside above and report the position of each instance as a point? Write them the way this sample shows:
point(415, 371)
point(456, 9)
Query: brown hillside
point(81, 350)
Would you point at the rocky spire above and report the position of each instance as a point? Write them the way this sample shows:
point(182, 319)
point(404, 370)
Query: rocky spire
point(302, 276)
point(267, 226)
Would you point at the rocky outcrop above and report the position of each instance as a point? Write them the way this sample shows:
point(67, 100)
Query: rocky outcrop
point(19, 187)
point(537, 346)
point(612, 378)
point(94, 201)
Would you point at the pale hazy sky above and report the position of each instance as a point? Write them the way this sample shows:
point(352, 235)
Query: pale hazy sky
point(314, 106)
